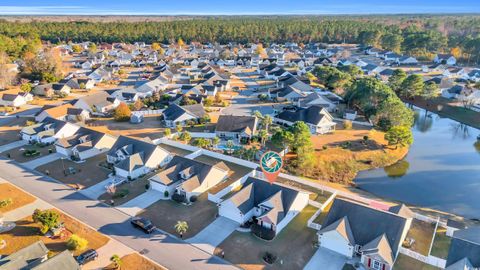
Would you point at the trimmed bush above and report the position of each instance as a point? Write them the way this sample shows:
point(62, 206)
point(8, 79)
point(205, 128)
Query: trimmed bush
point(165, 193)
point(193, 199)
point(76, 242)
point(178, 198)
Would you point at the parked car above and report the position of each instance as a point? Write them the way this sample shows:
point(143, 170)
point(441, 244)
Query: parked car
point(143, 224)
point(87, 256)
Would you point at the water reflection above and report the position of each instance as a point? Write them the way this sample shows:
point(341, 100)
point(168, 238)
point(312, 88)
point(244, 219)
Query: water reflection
point(439, 171)
point(398, 169)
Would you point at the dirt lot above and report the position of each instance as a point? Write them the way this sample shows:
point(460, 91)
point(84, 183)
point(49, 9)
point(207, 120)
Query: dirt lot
point(165, 214)
point(87, 173)
point(137, 262)
point(19, 198)
point(27, 232)
point(150, 127)
point(293, 246)
point(135, 188)
point(17, 153)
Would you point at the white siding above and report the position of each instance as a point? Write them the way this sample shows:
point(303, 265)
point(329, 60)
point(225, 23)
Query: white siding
point(335, 242)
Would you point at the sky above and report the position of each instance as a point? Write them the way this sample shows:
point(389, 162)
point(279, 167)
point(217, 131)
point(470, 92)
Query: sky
point(229, 7)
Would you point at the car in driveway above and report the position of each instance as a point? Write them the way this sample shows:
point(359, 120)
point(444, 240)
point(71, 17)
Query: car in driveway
point(143, 224)
point(87, 256)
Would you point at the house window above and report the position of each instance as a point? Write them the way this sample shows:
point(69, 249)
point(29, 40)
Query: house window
point(376, 265)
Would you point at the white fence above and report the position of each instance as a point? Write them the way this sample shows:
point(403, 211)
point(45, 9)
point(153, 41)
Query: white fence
point(148, 112)
point(322, 206)
point(208, 135)
point(431, 260)
point(361, 123)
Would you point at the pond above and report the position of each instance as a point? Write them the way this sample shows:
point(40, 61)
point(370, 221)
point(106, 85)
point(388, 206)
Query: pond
point(441, 170)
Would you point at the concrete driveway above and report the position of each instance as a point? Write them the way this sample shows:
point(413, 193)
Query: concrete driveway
point(12, 145)
point(96, 190)
point(42, 161)
point(214, 234)
point(326, 259)
point(134, 206)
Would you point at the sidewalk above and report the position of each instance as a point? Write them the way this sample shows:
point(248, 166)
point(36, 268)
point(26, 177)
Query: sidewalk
point(26, 210)
point(41, 161)
point(12, 145)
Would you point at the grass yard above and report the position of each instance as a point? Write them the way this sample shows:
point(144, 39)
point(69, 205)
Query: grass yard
point(135, 188)
point(137, 262)
point(165, 214)
point(87, 173)
point(27, 232)
point(17, 153)
point(293, 246)
point(175, 150)
point(441, 243)
point(320, 218)
point(235, 173)
point(404, 262)
point(422, 233)
point(18, 197)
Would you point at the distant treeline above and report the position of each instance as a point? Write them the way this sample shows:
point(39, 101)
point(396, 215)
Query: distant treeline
point(417, 35)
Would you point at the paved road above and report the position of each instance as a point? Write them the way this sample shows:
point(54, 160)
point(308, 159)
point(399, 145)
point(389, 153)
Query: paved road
point(241, 105)
point(164, 249)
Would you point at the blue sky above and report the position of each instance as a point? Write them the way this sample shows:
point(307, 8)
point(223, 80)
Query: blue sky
point(229, 7)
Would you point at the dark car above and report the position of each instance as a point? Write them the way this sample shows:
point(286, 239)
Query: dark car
point(143, 224)
point(87, 256)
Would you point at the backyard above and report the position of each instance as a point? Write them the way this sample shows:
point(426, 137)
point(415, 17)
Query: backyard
point(80, 175)
point(441, 243)
point(21, 154)
point(28, 232)
point(18, 197)
point(422, 232)
point(294, 246)
point(175, 150)
point(165, 214)
point(404, 262)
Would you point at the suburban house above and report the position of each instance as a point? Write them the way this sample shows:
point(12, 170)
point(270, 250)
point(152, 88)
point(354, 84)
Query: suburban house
point(84, 143)
point(453, 92)
point(188, 177)
point(80, 83)
point(48, 131)
point(77, 115)
point(15, 100)
point(464, 252)
point(447, 59)
point(287, 93)
point(132, 158)
point(236, 127)
point(100, 75)
point(318, 99)
point(372, 235)
point(36, 257)
point(180, 115)
point(271, 206)
point(59, 112)
point(316, 117)
point(99, 103)
point(44, 90)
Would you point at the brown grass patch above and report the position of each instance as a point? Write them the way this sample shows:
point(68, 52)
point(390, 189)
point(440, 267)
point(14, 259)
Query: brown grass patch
point(19, 198)
point(135, 261)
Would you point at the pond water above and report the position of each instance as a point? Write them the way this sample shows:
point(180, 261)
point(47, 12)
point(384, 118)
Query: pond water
point(441, 170)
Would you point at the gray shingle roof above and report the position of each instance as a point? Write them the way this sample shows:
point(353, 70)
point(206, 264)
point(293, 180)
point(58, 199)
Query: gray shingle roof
point(235, 123)
point(312, 115)
point(465, 244)
point(23, 258)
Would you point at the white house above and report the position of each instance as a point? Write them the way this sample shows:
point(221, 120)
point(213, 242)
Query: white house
point(272, 205)
point(447, 59)
point(133, 158)
point(49, 131)
point(188, 177)
point(316, 117)
point(15, 100)
point(84, 143)
point(59, 112)
point(373, 235)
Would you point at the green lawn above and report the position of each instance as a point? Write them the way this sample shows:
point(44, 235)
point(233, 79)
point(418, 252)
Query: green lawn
point(404, 262)
point(441, 244)
point(422, 233)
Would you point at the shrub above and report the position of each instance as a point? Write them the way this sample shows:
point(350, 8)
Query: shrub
point(48, 218)
point(147, 186)
point(165, 193)
point(121, 193)
point(193, 199)
point(178, 198)
point(76, 242)
point(122, 113)
point(5, 202)
point(324, 147)
point(269, 258)
point(347, 124)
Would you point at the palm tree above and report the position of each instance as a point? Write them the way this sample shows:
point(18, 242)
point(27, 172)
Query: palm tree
point(216, 141)
point(257, 114)
point(116, 260)
point(181, 227)
point(263, 134)
point(230, 145)
point(267, 121)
